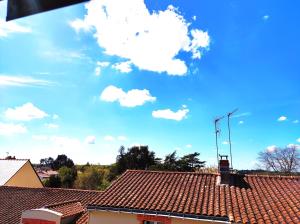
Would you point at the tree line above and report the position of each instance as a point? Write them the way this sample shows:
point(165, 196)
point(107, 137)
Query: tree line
point(99, 177)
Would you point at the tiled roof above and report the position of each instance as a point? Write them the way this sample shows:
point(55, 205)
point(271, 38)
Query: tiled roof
point(8, 168)
point(249, 199)
point(67, 208)
point(14, 200)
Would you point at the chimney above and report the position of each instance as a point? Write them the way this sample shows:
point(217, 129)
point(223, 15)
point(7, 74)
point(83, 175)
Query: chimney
point(224, 170)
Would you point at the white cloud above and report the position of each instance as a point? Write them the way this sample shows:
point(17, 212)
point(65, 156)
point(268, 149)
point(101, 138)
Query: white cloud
point(282, 118)
point(149, 40)
point(296, 146)
point(266, 17)
point(200, 40)
point(55, 116)
point(171, 115)
point(40, 137)
point(11, 27)
point(122, 138)
point(124, 67)
point(25, 112)
point(296, 121)
point(271, 148)
point(298, 140)
point(52, 126)
point(109, 138)
point(132, 98)
point(225, 142)
point(6, 80)
point(100, 65)
point(65, 142)
point(194, 18)
point(241, 122)
point(8, 129)
point(188, 146)
point(90, 139)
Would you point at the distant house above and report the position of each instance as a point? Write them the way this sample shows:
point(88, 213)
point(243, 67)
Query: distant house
point(19, 173)
point(46, 174)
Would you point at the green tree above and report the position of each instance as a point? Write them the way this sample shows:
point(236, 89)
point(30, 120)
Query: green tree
point(54, 181)
point(47, 162)
point(91, 179)
point(67, 176)
point(136, 157)
point(190, 162)
point(62, 160)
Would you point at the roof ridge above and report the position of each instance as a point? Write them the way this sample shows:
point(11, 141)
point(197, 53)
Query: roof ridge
point(15, 159)
point(49, 188)
point(62, 203)
point(173, 172)
point(273, 176)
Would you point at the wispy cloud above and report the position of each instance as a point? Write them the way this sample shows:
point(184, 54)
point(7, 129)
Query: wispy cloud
point(100, 65)
point(52, 126)
point(132, 98)
point(90, 139)
point(271, 148)
point(9, 80)
point(7, 28)
point(8, 129)
point(296, 121)
point(266, 17)
point(109, 138)
point(245, 114)
point(64, 55)
point(189, 146)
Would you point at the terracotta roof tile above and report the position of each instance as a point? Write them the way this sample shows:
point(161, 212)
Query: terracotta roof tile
point(14, 200)
point(67, 208)
point(249, 199)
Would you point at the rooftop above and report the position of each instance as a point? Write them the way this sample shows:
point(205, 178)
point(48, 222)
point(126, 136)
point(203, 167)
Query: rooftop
point(248, 199)
point(9, 167)
point(14, 200)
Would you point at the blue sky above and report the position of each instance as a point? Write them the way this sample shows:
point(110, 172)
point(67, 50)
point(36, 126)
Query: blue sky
point(85, 79)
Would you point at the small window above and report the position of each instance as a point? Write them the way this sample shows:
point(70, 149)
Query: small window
point(152, 222)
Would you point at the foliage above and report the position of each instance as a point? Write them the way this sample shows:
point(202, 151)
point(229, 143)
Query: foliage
point(53, 181)
point(91, 179)
point(284, 160)
point(62, 160)
point(136, 157)
point(47, 162)
point(67, 176)
point(187, 163)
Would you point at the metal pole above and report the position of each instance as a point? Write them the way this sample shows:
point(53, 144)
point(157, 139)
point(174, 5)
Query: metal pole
point(216, 132)
point(229, 134)
point(229, 137)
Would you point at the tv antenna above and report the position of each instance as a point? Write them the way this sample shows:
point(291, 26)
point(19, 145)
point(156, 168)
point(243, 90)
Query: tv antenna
point(217, 133)
point(229, 132)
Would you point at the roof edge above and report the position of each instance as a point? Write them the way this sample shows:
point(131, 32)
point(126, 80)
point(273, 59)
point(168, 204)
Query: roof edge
point(221, 219)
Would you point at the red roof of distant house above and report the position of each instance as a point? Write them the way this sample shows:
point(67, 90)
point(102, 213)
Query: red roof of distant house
point(249, 199)
point(67, 208)
point(15, 200)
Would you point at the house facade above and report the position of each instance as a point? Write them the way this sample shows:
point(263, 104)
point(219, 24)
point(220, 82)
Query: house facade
point(18, 173)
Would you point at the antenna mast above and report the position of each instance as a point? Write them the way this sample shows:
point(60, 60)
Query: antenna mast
point(229, 133)
point(217, 132)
